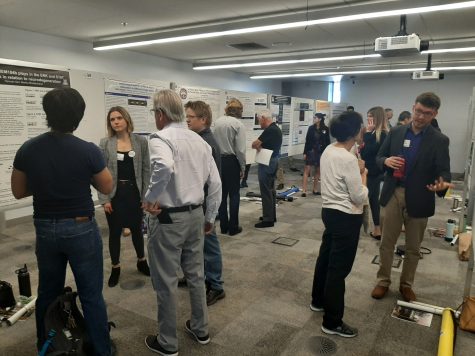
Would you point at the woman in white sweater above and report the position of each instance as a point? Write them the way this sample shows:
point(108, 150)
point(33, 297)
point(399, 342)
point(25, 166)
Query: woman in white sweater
point(343, 184)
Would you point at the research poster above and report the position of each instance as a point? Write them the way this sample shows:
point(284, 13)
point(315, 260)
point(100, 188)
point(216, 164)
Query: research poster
point(302, 119)
point(252, 103)
point(137, 98)
point(212, 97)
point(21, 113)
point(324, 107)
point(281, 108)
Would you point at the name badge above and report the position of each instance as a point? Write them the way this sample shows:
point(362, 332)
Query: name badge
point(407, 143)
point(120, 156)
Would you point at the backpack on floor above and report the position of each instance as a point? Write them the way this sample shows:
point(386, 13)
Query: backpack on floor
point(65, 327)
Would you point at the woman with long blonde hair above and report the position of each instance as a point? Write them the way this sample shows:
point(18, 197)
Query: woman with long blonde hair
point(376, 131)
point(127, 157)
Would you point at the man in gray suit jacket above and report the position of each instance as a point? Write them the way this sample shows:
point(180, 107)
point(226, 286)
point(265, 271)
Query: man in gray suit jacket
point(416, 162)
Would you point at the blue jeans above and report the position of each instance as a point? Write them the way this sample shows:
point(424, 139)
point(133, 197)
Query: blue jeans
point(213, 261)
point(79, 243)
point(266, 176)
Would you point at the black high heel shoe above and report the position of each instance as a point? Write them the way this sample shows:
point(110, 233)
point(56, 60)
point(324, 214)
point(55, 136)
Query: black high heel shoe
point(142, 267)
point(114, 278)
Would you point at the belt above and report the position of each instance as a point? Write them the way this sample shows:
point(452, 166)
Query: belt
point(82, 219)
point(182, 209)
point(77, 219)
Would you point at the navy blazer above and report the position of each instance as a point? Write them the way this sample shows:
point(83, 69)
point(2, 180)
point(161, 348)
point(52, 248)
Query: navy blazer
point(432, 161)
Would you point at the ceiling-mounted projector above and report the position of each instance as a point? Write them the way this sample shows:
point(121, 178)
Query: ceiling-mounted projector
point(427, 75)
point(397, 45)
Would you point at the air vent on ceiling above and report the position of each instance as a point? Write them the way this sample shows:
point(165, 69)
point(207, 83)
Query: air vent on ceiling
point(249, 46)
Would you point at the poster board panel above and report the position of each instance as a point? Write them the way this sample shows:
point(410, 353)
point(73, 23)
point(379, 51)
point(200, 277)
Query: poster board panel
point(252, 103)
point(22, 88)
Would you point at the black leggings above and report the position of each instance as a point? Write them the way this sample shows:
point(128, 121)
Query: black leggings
point(126, 213)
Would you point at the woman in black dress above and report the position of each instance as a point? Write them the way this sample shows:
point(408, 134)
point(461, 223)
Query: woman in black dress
point(127, 157)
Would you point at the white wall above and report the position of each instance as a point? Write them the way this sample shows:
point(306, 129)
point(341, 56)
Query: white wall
point(34, 47)
point(399, 94)
point(310, 89)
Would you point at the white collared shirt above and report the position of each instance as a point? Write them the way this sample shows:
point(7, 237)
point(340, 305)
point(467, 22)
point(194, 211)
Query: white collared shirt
point(230, 135)
point(181, 165)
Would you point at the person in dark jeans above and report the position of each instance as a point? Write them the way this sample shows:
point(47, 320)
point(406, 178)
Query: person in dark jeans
point(199, 119)
point(271, 139)
point(344, 192)
point(230, 134)
point(58, 168)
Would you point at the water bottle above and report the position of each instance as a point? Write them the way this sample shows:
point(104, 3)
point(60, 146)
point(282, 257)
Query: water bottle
point(24, 281)
point(450, 230)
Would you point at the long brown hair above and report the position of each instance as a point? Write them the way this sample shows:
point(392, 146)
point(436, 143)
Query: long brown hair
point(380, 122)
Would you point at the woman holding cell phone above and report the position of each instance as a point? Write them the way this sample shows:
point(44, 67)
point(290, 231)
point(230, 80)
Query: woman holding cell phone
point(376, 132)
point(127, 157)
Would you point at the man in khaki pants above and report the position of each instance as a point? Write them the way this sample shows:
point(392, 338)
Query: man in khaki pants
point(416, 162)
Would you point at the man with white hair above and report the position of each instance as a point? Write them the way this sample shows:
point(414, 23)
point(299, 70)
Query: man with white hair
point(271, 139)
point(181, 165)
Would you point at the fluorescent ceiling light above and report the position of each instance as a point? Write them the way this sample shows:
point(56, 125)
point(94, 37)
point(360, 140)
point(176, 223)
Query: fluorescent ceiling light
point(450, 50)
point(290, 61)
point(366, 16)
point(355, 72)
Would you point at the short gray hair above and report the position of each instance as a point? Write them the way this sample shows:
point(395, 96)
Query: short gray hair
point(265, 114)
point(169, 103)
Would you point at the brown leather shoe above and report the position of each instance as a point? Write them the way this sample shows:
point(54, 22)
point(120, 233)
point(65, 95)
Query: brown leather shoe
point(407, 293)
point(379, 292)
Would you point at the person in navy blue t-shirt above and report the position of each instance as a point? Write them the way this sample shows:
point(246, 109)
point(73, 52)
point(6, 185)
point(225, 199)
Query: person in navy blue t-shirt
point(58, 168)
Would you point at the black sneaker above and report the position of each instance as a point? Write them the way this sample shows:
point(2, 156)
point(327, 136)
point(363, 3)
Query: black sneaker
point(114, 278)
point(314, 308)
point(342, 330)
point(213, 295)
point(152, 344)
point(203, 340)
point(264, 224)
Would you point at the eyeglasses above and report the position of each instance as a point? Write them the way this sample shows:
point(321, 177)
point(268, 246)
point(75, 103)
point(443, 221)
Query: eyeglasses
point(425, 114)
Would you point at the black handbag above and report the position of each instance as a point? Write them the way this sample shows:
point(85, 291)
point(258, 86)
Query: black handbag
point(7, 299)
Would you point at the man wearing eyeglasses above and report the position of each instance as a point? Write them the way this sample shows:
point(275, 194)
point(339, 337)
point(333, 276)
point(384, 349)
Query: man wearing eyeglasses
point(181, 165)
point(416, 162)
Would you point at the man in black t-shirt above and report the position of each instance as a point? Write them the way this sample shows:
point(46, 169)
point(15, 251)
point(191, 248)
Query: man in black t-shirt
point(271, 139)
point(58, 168)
